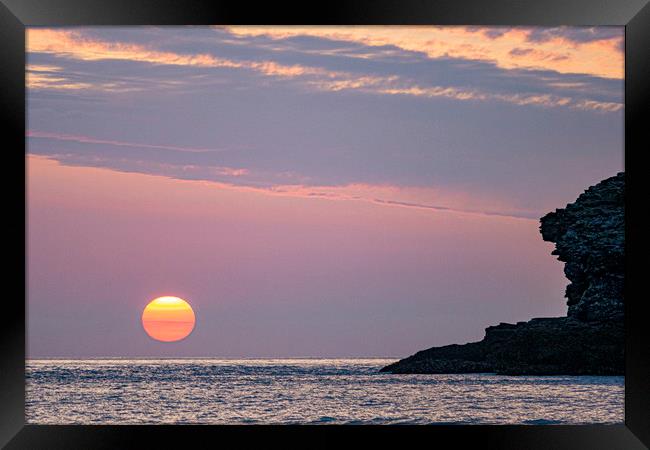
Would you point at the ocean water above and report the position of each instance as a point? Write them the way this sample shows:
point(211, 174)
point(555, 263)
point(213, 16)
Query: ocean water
point(304, 391)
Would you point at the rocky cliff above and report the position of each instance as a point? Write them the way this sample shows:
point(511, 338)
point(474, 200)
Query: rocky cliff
point(589, 237)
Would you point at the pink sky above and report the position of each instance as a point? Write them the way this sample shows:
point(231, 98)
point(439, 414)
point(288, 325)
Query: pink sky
point(268, 275)
point(310, 191)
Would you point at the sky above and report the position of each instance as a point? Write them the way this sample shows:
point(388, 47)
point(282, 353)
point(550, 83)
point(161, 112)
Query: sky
point(309, 191)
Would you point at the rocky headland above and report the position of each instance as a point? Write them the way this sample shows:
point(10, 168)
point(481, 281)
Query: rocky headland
point(589, 237)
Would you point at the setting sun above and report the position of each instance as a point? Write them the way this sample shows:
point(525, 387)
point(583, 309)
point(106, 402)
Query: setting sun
point(168, 319)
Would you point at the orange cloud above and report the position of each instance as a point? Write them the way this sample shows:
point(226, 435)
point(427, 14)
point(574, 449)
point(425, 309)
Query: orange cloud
point(50, 77)
point(602, 58)
point(73, 44)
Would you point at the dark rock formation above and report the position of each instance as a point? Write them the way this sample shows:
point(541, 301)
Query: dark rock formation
point(543, 346)
point(589, 235)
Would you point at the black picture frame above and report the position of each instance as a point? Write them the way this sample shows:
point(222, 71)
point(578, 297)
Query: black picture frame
point(15, 15)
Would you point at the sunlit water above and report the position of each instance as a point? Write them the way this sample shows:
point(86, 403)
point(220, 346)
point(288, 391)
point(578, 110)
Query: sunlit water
point(304, 391)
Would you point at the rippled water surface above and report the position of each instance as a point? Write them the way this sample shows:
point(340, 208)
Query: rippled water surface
point(264, 391)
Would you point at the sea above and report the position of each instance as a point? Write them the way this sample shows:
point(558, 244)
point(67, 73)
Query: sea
point(304, 391)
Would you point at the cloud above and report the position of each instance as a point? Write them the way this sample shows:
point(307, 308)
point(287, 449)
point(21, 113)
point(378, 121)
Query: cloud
point(517, 99)
point(521, 51)
point(575, 35)
point(73, 44)
point(307, 111)
point(51, 77)
point(383, 195)
point(377, 80)
point(90, 140)
point(564, 50)
point(513, 215)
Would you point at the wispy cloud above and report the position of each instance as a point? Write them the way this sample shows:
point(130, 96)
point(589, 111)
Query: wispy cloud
point(73, 44)
point(319, 117)
point(590, 51)
point(545, 100)
point(40, 76)
point(512, 215)
point(91, 140)
point(382, 195)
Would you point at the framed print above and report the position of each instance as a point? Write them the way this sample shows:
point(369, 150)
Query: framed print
point(362, 220)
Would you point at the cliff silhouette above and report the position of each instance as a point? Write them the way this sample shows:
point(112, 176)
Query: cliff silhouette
point(589, 237)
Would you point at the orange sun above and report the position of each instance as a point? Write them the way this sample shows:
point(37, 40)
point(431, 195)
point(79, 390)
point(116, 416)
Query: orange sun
point(168, 319)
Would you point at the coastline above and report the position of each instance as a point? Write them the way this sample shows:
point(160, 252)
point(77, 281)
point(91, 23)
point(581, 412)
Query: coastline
point(590, 237)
